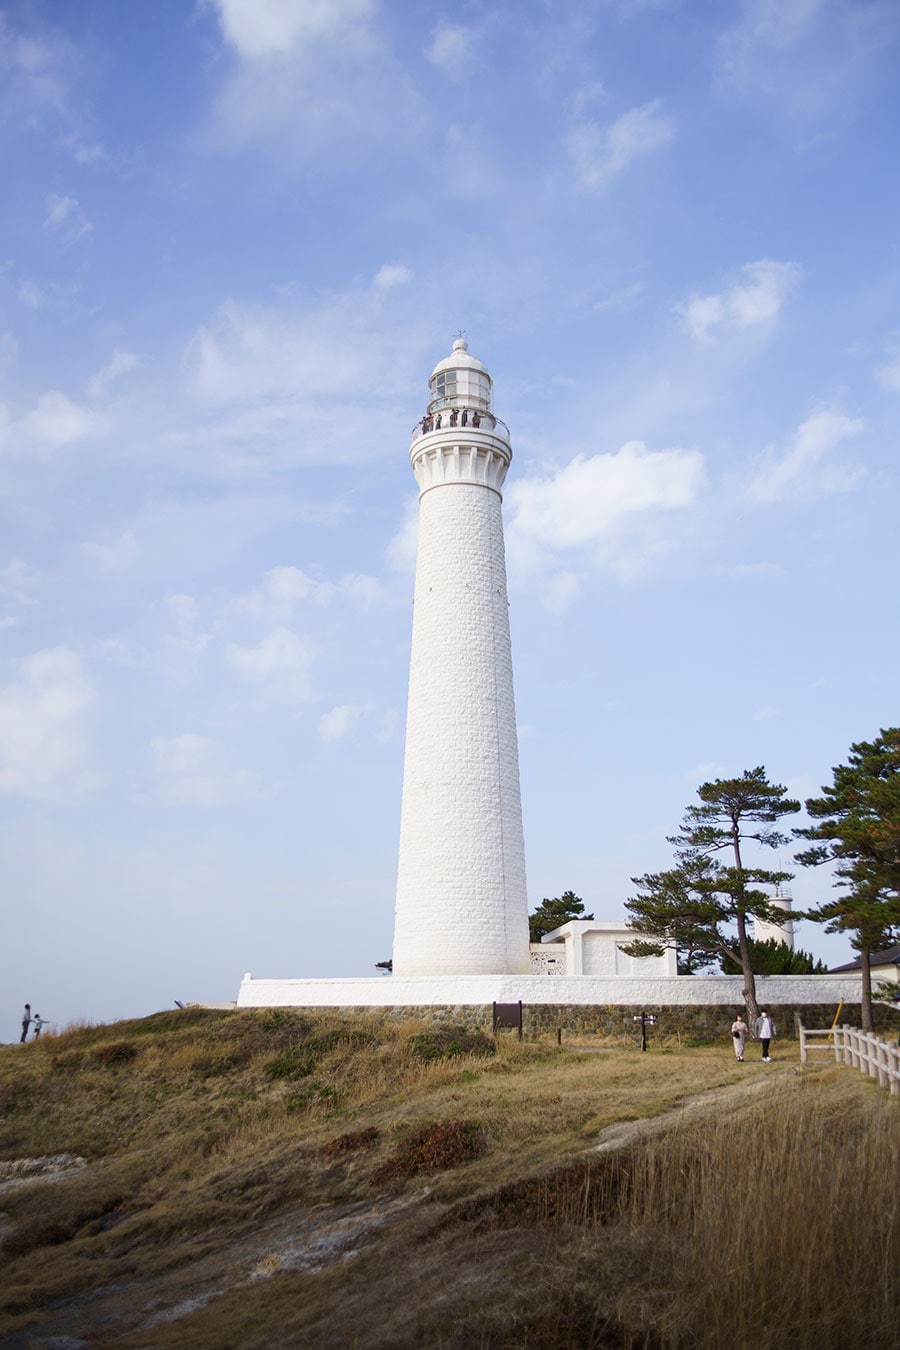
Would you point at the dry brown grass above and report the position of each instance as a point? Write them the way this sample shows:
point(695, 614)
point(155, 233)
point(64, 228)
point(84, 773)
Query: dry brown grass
point(738, 1227)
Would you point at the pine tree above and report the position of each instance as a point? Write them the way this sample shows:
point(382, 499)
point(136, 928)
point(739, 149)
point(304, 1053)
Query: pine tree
point(696, 905)
point(858, 830)
point(772, 957)
point(552, 914)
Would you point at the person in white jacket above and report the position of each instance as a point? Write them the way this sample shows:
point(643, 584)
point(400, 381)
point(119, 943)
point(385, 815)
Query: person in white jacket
point(765, 1030)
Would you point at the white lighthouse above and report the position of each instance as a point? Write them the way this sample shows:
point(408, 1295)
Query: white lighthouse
point(461, 901)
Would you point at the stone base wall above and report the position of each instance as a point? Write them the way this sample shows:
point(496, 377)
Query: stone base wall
point(684, 1024)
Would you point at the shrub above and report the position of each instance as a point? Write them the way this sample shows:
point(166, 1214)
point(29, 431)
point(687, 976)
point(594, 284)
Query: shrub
point(434, 1148)
point(114, 1052)
point(350, 1143)
point(449, 1042)
point(298, 1061)
point(308, 1096)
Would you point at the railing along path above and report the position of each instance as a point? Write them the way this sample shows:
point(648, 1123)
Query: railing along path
point(860, 1049)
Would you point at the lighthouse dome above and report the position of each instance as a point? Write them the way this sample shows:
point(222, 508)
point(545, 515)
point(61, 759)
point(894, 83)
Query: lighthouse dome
point(460, 381)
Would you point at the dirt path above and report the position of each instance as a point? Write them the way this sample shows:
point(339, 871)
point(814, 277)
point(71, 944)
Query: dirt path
point(627, 1132)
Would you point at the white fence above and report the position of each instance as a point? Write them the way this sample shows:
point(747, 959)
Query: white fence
point(859, 1049)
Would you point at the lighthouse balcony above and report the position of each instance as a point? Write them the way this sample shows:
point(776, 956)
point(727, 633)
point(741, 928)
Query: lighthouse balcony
point(473, 419)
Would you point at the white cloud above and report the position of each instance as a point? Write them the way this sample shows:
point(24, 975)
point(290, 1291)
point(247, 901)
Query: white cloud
point(336, 723)
point(31, 82)
point(798, 471)
point(777, 24)
point(608, 506)
point(558, 590)
point(53, 422)
point(119, 364)
point(252, 353)
point(197, 771)
point(313, 77)
point(753, 571)
point(451, 49)
point(279, 666)
point(186, 642)
point(766, 713)
point(116, 554)
point(30, 294)
point(283, 587)
point(400, 554)
point(44, 728)
point(805, 56)
point(600, 153)
point(888, 374)
point(590, 497)
point(390, 275)
point(279, 29)
point(273, 602)
point(66, 219)
point(755, 299)
point(18, 581)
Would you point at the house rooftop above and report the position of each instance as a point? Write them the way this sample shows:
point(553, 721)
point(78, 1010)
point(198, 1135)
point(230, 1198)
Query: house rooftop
point(889, 957)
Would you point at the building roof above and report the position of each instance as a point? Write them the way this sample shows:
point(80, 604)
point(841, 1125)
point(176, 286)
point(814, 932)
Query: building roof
point(889, 957)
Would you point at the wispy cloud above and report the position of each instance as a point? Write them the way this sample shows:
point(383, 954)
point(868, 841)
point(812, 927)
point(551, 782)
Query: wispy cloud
point(115, 553)
point(803, 55)
point(390, 275)
point(282, 588)
point(278, 667)
point(45, 721)
point(452, 49)
point(261, 30)
point(192, 770)
point(66, 219)
point(799, 470)
point(888, 372)
point(119, 364)
point(335, 724)
point(600, 153)
point(186, 640)
point(312, 78)
point(31, 65)
point(756, 298)
point(54, 421)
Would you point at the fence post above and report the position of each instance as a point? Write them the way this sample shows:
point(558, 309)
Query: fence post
point(872, 1052)
point(852, 1056)
point(802, 1031)
point(884, 1065)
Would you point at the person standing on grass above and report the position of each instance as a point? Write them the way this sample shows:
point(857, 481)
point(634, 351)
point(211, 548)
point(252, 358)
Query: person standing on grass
point(765, 1030)
point(26, 1022)
point(39, 1024)
point(739, 1031)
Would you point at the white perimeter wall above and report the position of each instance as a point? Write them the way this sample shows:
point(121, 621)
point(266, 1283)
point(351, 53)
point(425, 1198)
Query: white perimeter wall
point(461, 898)
point(460, 990)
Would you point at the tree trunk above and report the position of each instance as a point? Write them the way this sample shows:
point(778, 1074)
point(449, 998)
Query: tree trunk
point(865, 969)
point(749, 990)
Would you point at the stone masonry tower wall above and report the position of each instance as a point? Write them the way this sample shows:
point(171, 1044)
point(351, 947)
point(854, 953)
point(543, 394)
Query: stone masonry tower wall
point(461, 898)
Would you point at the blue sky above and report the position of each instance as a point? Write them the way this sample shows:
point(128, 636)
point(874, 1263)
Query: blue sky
point(235, 236)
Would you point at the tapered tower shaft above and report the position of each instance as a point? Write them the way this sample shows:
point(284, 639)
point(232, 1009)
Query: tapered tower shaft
point(461, 898)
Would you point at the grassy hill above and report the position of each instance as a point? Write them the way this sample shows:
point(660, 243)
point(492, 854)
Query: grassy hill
point(283, 1178)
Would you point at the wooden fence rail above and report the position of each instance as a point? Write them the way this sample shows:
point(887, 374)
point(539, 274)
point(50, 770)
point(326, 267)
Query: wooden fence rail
point(859, 1049)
